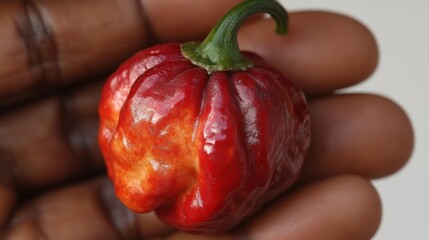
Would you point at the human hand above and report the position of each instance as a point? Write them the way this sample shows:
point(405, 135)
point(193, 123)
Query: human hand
point(52, 181)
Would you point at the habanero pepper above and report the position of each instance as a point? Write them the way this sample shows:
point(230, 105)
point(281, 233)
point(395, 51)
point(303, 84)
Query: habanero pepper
point(203, 134)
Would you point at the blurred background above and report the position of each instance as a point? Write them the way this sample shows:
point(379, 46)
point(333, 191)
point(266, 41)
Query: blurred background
point(402, 32)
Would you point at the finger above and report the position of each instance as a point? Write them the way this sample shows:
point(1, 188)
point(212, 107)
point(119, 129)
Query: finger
point(84, 211)
point(342, 207)
point(321, 52)
point(312, 211)
point(46, 217)
point(44, 50)
point(51, 141)
point(49, 43)
point(361, 134)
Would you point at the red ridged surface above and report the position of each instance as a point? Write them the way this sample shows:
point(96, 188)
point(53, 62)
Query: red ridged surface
point(203, 151)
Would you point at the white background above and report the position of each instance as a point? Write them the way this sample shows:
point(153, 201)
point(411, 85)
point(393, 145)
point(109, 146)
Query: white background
point(402, 32)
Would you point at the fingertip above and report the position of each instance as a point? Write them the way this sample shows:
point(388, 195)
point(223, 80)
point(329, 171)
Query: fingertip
point(341, 207)
point(399, 133)
point(362, 206)
point(322, 51)
point(362, 134)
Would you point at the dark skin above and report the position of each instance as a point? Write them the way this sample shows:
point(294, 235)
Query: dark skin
point(55, 56)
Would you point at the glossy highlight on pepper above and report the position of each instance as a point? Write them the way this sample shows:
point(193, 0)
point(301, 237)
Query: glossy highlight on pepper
point(203, 148)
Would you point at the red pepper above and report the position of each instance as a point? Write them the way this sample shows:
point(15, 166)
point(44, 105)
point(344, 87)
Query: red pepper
point(202, 133)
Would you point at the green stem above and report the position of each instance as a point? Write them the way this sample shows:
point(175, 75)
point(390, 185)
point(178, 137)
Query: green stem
point(219, 51)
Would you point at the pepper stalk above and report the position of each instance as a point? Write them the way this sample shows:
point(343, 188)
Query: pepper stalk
point(219, 51)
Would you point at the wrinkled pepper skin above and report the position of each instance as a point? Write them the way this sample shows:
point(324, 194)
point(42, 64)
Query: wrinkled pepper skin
point(203, 150)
